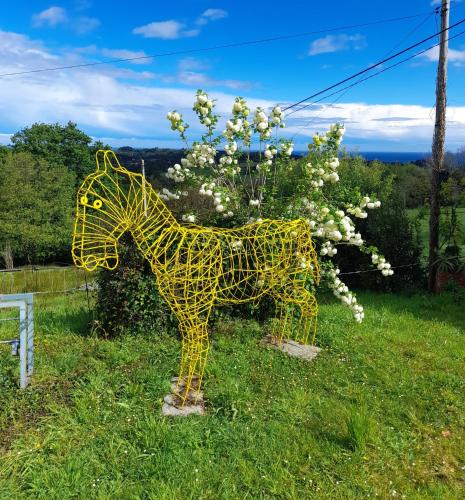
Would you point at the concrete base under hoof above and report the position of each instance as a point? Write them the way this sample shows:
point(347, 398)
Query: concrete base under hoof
point(194, 404)
point(302, 351)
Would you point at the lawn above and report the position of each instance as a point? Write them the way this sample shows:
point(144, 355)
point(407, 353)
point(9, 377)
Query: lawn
point(380, 412)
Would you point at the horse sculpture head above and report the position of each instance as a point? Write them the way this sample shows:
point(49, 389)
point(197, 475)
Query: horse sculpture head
point(100, 218)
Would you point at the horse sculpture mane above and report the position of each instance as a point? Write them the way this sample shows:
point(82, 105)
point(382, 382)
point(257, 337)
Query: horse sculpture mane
point(196, 267)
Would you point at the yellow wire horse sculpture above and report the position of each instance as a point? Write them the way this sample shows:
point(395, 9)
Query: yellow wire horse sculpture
point(196, 267)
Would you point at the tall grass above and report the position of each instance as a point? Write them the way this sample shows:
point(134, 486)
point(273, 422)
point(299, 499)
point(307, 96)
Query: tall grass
point(41, 279)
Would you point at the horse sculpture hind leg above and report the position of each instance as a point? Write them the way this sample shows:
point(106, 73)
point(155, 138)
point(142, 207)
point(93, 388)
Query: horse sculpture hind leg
point(286, 326)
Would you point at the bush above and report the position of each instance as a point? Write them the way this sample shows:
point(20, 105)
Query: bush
point(127, 298)
point(389, 226)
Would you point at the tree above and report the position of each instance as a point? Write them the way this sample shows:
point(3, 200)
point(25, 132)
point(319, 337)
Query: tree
point(238, 187)
point(36, 200)
point(59, 145)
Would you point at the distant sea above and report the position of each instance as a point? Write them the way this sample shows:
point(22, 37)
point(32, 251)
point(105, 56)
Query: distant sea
point(386, 156)
point(391, 157)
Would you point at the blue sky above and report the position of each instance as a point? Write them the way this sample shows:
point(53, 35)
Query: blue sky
point(126, 103)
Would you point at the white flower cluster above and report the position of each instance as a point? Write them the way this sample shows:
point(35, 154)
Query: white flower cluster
point(325, 172)
point(342, 292)
point(335, 226)
point(234, 127)
point(270, 152)
point(189, 218)
point(167, 195)
point(203, 106)
point(220, 199)
point(201, 155)
point(262, 126)
point(287, 148)
point(177, 173)
point(359, 211)
point(176, 121)
point(277, 116)
point(336, 131)
point(327, 248)
point(238, 126)
point(335, 134)
point(254, 203)
point(382, 265)
point(268, 155)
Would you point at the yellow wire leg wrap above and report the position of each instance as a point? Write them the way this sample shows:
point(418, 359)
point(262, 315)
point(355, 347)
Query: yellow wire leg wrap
point(196, 267)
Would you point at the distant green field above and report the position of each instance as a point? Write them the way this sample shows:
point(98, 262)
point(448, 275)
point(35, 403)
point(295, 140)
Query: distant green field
point(41, 279)
point(423, 218)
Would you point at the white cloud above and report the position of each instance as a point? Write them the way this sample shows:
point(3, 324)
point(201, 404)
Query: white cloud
point(50, 17)
point(126, 54)
point(336, 43)
point(172, 29)
point(200, 79)
point(166, 30)
point(398, 123)
point(192, 63)
point(53, 16)
point(211, 15)
point(83, 24)
point(110, 101)
point(456, 57)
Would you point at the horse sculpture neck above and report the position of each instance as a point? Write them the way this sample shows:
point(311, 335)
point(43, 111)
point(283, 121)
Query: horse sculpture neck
point(146, 216)
point(110, 202)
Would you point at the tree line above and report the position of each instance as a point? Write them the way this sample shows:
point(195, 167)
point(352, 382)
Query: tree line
point(42, 167)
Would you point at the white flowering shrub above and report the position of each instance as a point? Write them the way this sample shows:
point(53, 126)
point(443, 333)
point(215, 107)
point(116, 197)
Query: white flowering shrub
point(246, 173)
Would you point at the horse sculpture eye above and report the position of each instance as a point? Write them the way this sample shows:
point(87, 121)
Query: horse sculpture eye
point(84, 200)
point(98, 204)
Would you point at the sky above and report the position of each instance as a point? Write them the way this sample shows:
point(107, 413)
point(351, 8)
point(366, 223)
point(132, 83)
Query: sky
point(126, 103)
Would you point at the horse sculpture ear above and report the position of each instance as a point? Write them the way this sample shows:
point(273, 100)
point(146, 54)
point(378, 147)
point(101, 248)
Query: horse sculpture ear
point(100, 160)
point(112, 161)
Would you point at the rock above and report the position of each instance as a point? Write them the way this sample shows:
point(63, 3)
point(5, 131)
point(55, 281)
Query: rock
point(302, 351)
point(171, 409)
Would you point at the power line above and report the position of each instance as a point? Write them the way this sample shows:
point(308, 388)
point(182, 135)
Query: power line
point(369, 68)
point(344, 91)
point(398, 63)
point(216, 47)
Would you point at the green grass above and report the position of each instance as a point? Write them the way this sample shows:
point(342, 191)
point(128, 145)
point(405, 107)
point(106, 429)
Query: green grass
point(380, 412)
point(422, 216)
point(41, 279)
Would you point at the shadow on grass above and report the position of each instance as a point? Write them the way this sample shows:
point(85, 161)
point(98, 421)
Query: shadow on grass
point(75, 321)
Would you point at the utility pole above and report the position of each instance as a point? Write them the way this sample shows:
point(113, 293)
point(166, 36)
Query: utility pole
point(438, 148)
point(144, 191)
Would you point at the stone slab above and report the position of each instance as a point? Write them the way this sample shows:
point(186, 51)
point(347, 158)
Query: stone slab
point(170, 409)
point(292, 348)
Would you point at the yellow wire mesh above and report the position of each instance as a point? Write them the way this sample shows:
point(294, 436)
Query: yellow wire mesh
point(197, 267)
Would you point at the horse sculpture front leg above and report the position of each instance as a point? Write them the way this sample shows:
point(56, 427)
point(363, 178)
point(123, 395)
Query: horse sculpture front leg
point(195, 347)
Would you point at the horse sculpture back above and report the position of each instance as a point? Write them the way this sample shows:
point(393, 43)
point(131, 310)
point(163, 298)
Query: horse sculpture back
point(197, 268)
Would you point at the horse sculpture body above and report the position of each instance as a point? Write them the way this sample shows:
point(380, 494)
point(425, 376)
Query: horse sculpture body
point(196, 267)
